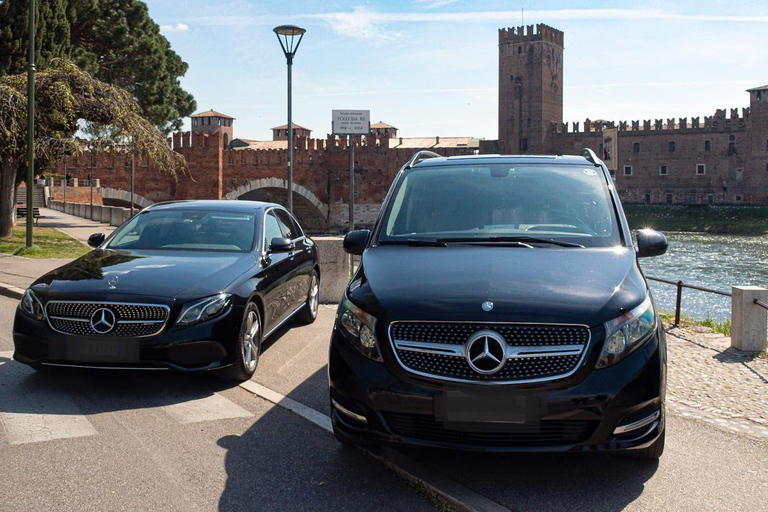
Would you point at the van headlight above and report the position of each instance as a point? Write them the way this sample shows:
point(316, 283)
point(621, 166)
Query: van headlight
point(204, 309)
point(31, 305)
point(359, 329)
point(627, 333)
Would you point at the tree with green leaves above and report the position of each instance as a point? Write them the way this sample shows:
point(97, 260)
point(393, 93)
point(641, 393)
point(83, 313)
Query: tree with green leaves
point(114, 40)
point(65, 95)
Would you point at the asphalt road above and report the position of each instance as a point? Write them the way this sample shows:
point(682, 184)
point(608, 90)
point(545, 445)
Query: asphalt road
point(136, 441)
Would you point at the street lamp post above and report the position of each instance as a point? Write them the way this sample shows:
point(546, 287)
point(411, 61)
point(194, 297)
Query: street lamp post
point(286, 35)
point(31, 123)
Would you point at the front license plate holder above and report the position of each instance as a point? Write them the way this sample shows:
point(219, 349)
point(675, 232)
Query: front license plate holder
point(461, 407)
point(106, 350)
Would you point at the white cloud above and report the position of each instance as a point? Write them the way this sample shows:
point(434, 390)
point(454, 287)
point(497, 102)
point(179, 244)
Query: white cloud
point(179, 27)
point(361, 23)
point(433, 4)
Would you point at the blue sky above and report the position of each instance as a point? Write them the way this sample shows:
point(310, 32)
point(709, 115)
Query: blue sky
point(430, 67)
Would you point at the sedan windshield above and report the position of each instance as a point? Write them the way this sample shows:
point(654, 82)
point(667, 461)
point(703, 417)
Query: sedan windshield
point(192, 230)
point(503, 203)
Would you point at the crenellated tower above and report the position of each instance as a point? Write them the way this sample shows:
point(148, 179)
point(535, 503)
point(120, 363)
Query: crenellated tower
point(530, 87)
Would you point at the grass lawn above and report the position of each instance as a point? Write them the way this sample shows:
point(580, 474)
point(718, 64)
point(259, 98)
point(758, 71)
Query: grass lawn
point(47, 243)
point(752, 220)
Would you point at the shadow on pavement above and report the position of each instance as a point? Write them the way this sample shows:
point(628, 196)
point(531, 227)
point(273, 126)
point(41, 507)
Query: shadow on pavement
point(26, 391)
point(539, 482)
point(282, 462)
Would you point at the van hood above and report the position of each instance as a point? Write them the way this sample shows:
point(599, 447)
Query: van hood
point(542, 285)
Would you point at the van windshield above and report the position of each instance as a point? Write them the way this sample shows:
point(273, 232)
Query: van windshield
point(568, 203)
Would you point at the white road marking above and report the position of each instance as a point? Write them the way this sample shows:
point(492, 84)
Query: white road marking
point(209, 408)
point(31, 412)
point(313, 416)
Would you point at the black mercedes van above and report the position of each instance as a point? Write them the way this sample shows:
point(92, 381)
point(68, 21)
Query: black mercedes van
point(499, 306)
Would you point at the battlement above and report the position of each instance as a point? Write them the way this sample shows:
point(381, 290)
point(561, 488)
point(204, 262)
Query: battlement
point(530, 33)
point(717, 122)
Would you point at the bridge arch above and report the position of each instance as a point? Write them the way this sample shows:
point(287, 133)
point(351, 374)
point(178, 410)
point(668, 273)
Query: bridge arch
point(119, 197)
point(311, 212)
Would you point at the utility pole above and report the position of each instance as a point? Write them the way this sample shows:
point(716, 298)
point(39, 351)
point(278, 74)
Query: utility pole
point(31, 124)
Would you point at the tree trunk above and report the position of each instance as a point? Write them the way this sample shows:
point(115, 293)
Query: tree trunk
point(7, 185)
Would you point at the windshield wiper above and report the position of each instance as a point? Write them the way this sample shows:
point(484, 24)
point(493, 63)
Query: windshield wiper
point(522, 240)
point(414, 242)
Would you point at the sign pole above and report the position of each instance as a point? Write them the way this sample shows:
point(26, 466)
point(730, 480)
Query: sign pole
point(351, 182)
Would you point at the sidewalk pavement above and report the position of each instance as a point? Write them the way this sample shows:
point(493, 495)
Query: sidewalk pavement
point(707, 379)
point(17, 273)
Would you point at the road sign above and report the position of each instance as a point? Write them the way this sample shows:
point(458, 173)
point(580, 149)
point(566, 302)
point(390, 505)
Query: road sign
point(351, 122)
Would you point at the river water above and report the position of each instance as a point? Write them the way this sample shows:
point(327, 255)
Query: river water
point(717, 262)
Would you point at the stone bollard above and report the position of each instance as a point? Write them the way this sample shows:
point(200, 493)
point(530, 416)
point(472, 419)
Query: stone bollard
point(748, 324)
point(334, 268)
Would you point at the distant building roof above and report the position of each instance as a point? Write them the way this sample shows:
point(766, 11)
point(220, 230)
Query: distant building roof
point(382, 125)
point(295, 127)
point(212, 113)
point(434, 142)
point(259, 144)
point(763, 88)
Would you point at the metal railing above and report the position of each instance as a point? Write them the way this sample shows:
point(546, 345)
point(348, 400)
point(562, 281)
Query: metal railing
point(761, 304)
point(680, 285)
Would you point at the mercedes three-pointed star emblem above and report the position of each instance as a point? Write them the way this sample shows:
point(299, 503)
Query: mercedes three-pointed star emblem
point(103, 320)
point(486, 352)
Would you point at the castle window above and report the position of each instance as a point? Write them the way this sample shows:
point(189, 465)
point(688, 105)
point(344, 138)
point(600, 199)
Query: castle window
point(523, 144)
point(707, 145)
point(671, 146)
point(529, 122)
point(663, 170)
point(636, 148)
point(647, 199)
point(739, 198)
point(701, 169)
point(511, 78)
point(669, 198)
point(739, 174)
point(627, 170)
point(520, 50)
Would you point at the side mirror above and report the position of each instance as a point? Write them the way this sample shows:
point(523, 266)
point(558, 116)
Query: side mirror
point(96, 239)
point(354, 242)
point(280, 245)
point(650, 243)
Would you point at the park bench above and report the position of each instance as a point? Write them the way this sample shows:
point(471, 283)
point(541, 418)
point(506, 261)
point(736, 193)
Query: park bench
point(21, 211)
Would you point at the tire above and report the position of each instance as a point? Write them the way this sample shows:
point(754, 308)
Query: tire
point(654, 451)
point(308, 313)
point(248, 344)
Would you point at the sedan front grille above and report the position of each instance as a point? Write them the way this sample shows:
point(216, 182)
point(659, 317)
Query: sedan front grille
point(130, 320)
point(531, 353)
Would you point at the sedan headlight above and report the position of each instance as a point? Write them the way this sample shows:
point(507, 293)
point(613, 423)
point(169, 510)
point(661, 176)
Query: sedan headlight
point(204, 309)
point(627, 333)
point(359, 329)
point(31, 305)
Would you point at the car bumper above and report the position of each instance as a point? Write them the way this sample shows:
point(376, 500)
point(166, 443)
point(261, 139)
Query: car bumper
point(205, 346)
point(612, 409)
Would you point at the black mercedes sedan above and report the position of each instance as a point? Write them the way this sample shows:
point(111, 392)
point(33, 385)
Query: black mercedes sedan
point(499, 306)
point(188, 285)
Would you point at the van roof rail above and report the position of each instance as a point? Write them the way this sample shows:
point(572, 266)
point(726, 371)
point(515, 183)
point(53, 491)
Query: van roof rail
point(421, 155)
point(591, 156)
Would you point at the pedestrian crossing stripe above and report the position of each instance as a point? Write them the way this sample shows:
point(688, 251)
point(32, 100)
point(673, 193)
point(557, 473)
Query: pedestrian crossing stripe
point(34, 410)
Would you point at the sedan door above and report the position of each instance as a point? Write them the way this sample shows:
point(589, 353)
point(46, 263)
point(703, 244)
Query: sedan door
point(276, 275)
point(301, 260)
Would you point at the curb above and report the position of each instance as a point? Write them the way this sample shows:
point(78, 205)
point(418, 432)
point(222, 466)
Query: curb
point(11, 291)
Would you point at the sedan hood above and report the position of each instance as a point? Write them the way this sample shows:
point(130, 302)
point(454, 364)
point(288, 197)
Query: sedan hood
point(557, 285)
point(171, 274)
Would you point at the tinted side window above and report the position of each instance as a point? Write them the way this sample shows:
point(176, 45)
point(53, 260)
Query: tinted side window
point(293, 230)
point(271, 228)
